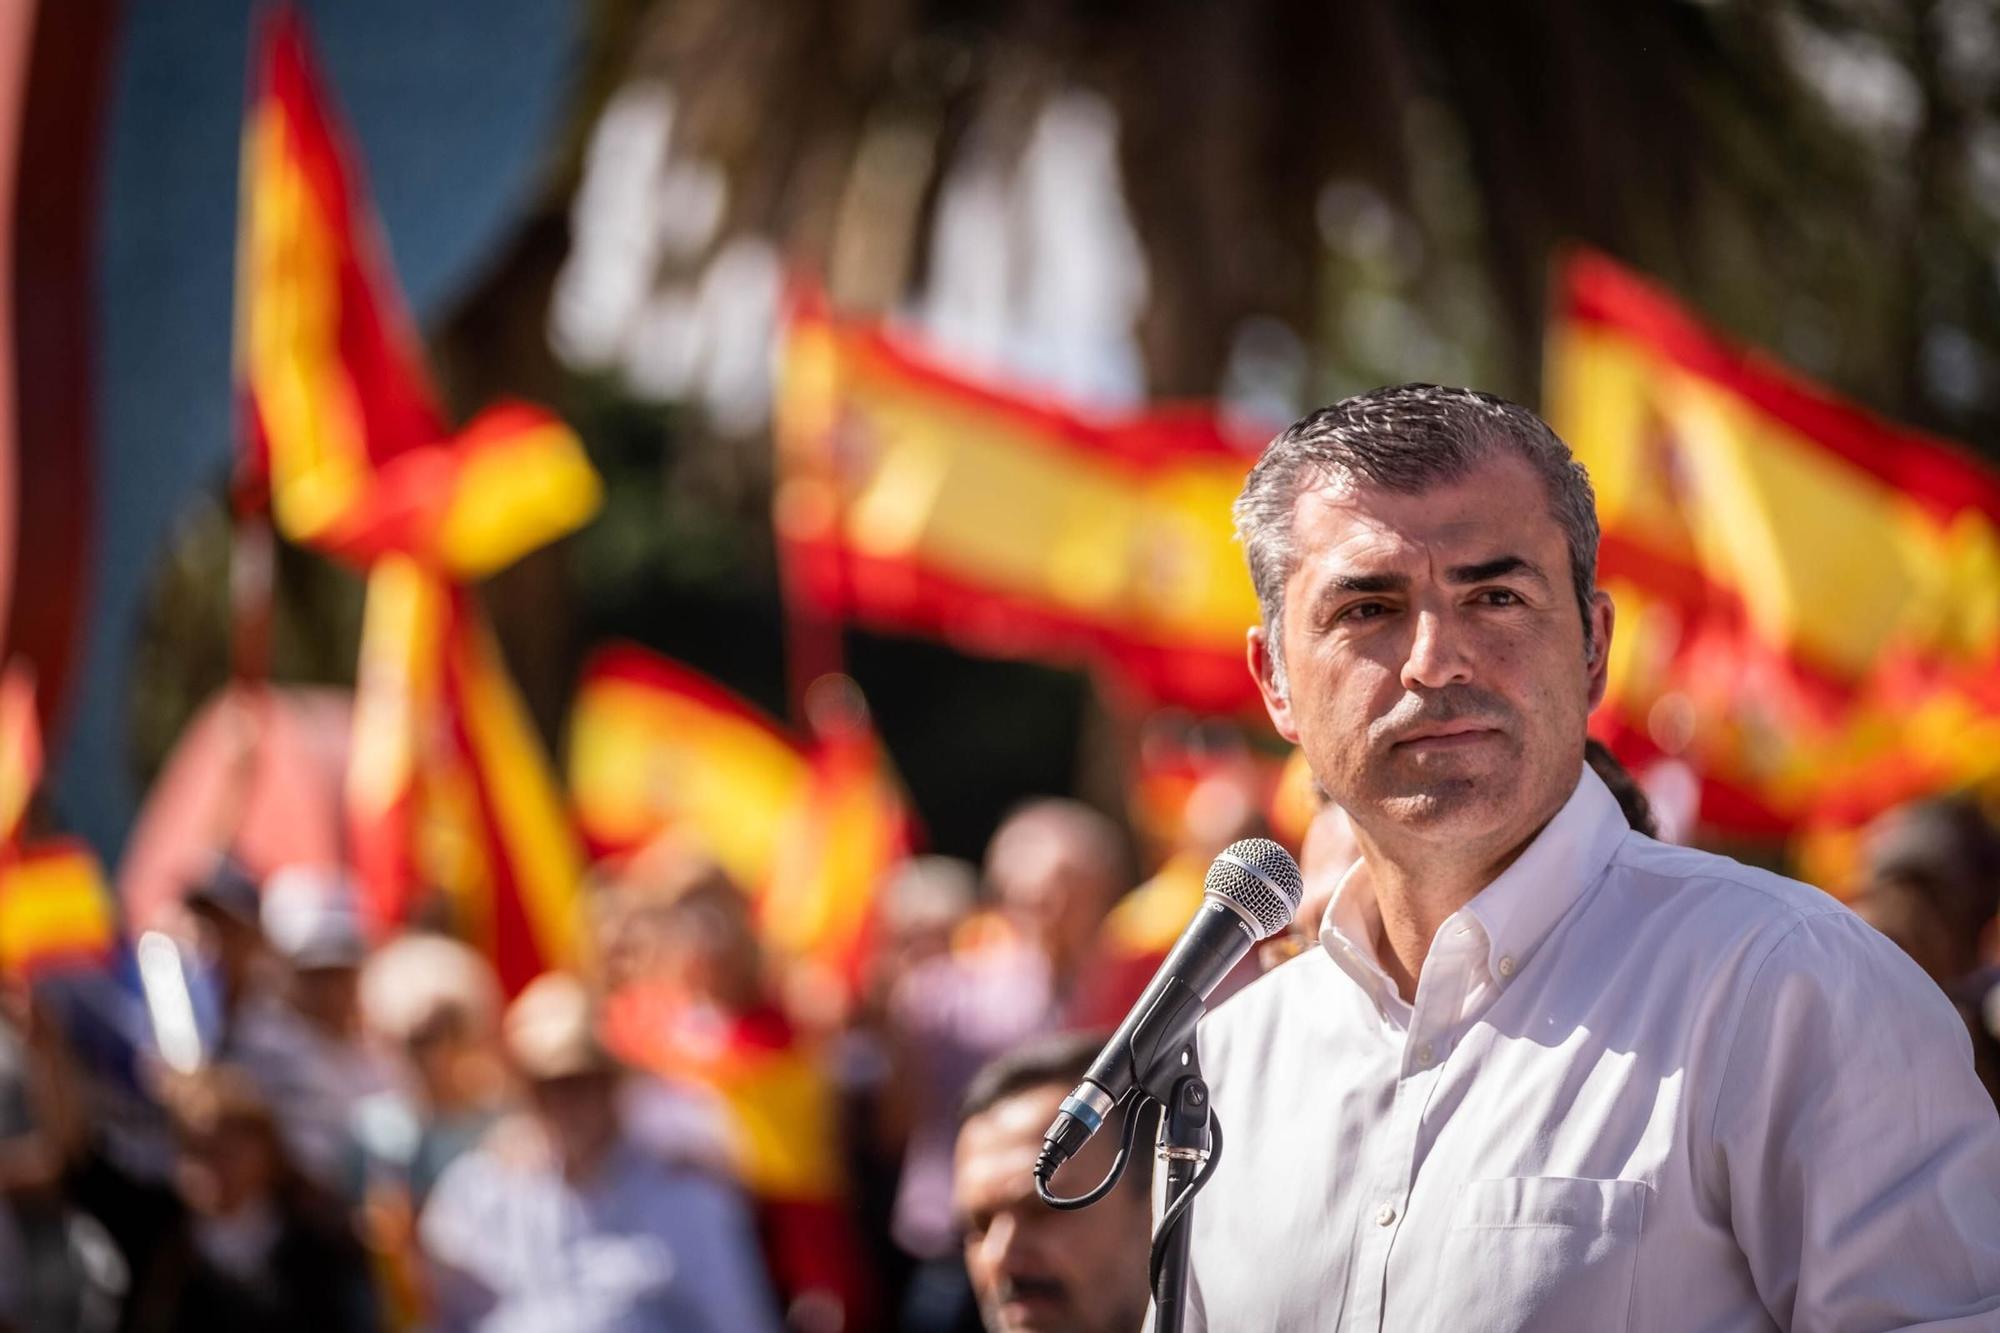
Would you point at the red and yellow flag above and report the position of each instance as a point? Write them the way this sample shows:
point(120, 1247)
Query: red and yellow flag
point(1808, 596)
point(56, 913)
point(449, 789)
point(657, 749)
point(915, 499)
point(344, 428)
point(811, 829)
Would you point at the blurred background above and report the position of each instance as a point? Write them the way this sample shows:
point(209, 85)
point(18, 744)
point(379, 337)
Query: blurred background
point(726, 504)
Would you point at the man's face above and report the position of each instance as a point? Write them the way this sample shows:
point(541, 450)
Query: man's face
point(579, 1112)
point(1047, 885)
point(1438, 677)
point(1034, 1267)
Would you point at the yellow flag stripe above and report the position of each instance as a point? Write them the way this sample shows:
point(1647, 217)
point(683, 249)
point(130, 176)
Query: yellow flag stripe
point(533, 827)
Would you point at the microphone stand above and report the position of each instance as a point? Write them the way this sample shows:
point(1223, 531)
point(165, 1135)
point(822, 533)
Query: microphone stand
point(1183, 1148)
point(1167, 1072)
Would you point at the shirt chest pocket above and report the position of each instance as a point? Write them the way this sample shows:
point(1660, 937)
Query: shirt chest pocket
point(1542, 1252)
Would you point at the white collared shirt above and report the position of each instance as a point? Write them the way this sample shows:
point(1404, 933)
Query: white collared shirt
point(1640, 1088)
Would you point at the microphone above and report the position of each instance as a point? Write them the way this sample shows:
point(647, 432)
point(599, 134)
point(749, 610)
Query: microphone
point(1250, 893)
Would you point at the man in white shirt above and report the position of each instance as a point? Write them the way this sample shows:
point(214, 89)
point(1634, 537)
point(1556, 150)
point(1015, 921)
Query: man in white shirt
point(1544, 1072)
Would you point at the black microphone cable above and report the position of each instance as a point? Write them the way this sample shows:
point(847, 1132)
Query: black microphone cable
point(1047, 1162)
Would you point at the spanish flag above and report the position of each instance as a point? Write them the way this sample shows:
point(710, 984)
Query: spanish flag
point(917, 500)
point(449, 788)
point(345, 432)
point(811, 828)
point(55, 910)
point(1808, 596)
point(657, 748)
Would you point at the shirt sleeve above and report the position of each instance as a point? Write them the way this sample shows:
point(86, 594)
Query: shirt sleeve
point(455, 1227)
point(1860, 1155)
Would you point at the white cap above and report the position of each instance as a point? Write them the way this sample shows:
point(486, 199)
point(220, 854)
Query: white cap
point(311, 918)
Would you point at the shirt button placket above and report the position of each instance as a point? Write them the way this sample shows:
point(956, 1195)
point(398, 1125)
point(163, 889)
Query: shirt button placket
point(1395, 1169)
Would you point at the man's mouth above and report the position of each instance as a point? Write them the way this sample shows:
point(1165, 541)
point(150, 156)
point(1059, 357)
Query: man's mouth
point(1448, 736)
point(1024, 1300)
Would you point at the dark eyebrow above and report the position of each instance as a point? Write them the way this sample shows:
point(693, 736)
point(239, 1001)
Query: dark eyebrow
point(1341, 585)
point(1367, 583)
point(1498, 567)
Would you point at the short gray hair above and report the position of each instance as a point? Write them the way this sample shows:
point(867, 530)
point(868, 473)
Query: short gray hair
point(1405, 438)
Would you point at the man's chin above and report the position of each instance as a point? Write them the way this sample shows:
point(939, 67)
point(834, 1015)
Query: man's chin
point(1033, 1313)
point(1455, 804)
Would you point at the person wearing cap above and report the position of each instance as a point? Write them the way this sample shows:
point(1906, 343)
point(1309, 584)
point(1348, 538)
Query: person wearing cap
point(560, 1219)
point(223, 908)
point(435, 1002)
point(256, 1022)
point(299, 1037)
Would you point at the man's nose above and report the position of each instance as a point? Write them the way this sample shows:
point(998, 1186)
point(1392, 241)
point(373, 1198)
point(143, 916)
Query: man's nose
point(1437, 655)
point(999, 1244)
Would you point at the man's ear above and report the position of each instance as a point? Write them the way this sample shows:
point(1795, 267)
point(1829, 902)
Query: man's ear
point(1602, 615)
point(1277, 701)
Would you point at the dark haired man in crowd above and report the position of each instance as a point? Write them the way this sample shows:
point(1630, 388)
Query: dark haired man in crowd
point(1033, 1267)
point(1545, 1072)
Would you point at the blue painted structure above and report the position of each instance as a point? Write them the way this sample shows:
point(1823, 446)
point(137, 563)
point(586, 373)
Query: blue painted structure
point(455, 104)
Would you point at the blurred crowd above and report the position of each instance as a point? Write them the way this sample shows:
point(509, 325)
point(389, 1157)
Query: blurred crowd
point(281, 1124)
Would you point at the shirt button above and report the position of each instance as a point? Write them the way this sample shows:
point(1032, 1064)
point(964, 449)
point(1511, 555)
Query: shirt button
point(1385, 1215)
point(1507, 966)
point(1424, 1054)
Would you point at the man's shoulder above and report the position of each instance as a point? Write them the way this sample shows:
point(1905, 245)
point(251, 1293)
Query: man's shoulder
point(1254, 1015)
point(1678, 878)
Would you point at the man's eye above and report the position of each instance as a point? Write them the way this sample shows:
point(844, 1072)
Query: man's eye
point(1363, 611)
point(1499, 597)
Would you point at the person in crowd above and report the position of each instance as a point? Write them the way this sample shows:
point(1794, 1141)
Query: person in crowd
point(435, 1001)
point(922, 909)
point(255, 1025)
point(304, 1041)
point(223, 925)
point(1054, 868)
point(701, 1012)
point(559, 1219)
point(1033, 1267)
point(919, 914)
point(261, 1246)
point(1931, 883)
point(59, 1269)
point(1136, 935)
point(1949, 851)
point(1546, 1072)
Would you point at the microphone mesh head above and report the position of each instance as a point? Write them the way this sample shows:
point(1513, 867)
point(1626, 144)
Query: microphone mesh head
point(1259, 877)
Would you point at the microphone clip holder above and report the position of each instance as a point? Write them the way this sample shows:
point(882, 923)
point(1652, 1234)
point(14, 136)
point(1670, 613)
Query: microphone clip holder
point(1188, 1142)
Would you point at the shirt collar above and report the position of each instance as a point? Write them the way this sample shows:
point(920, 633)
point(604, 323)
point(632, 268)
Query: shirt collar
point(1514, 913)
